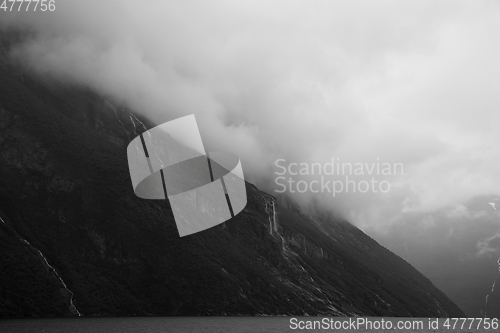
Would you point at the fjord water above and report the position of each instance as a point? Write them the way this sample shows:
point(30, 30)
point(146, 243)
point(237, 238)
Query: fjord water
point(179, 325)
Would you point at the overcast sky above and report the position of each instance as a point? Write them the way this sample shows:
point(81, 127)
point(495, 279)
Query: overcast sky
point(412, 82)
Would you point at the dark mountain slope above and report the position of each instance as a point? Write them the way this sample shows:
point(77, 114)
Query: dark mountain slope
point(74, 237)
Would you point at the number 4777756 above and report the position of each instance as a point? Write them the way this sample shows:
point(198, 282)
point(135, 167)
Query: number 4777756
point(471, 323)
point(28, 5)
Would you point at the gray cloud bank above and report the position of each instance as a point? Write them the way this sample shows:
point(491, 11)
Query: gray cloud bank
point(406, 82)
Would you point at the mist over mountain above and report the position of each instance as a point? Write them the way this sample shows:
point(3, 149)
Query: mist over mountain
point(410, 82)
point(74, 239)
point(457, 248)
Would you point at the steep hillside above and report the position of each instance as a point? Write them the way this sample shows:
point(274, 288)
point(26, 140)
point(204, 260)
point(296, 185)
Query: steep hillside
point(75, 239)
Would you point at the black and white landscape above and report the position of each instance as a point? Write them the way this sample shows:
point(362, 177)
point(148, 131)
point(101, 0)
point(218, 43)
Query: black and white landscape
point(401, 95)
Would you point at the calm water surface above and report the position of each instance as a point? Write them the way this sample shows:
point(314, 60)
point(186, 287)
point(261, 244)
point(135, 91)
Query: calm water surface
point(176, 324)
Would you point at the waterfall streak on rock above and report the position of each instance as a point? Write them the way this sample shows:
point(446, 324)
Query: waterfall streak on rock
point(72, 304)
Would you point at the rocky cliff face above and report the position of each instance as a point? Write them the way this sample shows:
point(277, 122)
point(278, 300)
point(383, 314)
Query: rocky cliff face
point(74, 239)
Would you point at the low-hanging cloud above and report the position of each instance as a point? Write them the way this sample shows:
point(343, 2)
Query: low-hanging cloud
point(403, 82)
